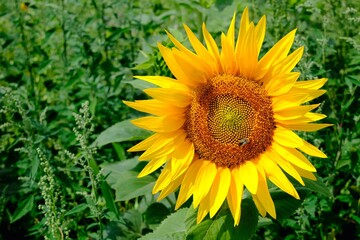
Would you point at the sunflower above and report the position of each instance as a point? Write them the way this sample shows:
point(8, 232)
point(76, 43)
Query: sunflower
point(226, 120)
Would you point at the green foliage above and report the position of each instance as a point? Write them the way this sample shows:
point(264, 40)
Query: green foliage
point(173, 227)
point(66, 66)
point(120, 132)
point(122, 176)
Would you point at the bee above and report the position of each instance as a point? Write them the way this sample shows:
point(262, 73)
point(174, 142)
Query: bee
point(243, 142)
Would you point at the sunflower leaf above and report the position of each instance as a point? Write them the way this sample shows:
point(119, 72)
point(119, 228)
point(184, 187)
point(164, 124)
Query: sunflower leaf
point(122, 177)
point(120, 132)
point(173, 227)
point(317, 186)
point(222, 225)
point(286, 204)
point(129, 186)
point(155, 213)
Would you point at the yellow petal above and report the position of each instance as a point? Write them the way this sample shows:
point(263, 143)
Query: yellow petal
point(172, 96)
point(145, 144)
point(260, 30)
point(286, 137)
point(231, 32)
point(171, 187)
point(227, 56)
point(187, 185)
point(307, 117)
point(155, 107)
point(264, 198)
point(163, 179)
point(219, 189)
point(180, 46)
point(195, 71)
point(288, 63)
point(307, 127)
point(182, 158)
point(164, 82)
point(294, 112)
point(305, 174)
point(197, 45)
point(244, 25)
point(295, 94)
point(204, 208)
point(311, 150)
point(314, 94)
point(294, 157)
point(313, 117)
point(160, 124)
point(152, 166)
point(203, 57)
point(285, 165)
point(212, 47)
point(174, 67)
point(248, 54)
point(234, 197)
point(311, 84)
point(276, 175)
point(163, 146)
point(280, 84)
point(204, 181)
point(278, 52)
point(288, 100)
point(258, 205)
point(247, 173)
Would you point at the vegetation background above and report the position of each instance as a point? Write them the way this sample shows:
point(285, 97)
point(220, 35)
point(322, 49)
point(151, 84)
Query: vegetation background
point(66, 66)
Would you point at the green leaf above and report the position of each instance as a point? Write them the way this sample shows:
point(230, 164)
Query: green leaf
point(173, 227)
point(35, 166)
point(133, 220)
point(139, 84)
point(79, 208)
point(286, 204)
point(317, 186)
point(113, 170)
point(120, 151)
point(143, 66)
point(263, 222)
point(356, 218)
point(91, 225)
point(222, 225)
point(343, 163)
point(155, 213)
point(248, 221)
point(122, 177)
point(24, 207)
point(109, 199)
point(120, 132)
point(129, 186)
point(221, 4)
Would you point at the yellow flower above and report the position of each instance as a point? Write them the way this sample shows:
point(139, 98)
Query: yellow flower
point(226, 120)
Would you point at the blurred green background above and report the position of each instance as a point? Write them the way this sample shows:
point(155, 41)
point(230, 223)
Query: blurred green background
point(57, 56)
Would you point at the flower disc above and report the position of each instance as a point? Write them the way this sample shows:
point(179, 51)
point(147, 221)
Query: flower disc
point(230, 120)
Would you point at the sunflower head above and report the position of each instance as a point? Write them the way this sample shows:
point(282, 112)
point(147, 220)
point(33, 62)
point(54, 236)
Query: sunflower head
point(226, 120)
